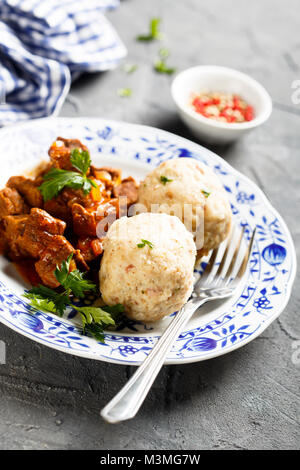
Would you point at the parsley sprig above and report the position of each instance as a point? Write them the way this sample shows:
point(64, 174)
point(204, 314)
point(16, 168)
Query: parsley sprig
point(124, 92)
point(56, 179)
point(165, 180)
point(94, 319)
point(205, 193)
point(130, 68)
point(73, 281)
point(160, 65)
point(144, 243)
point(154, 31)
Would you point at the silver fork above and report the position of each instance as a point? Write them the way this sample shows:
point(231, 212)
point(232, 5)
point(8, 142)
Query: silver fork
point(224, 270)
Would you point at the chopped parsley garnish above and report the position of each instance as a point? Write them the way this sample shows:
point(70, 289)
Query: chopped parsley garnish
point(154, 31)
point(160, 65)
point(165, 180)
point(47, 299)
point(94, 319)
point(130, 68)
point(206, 194)
point(144, 243)
point(56, 179)
point(124, 92)
point(73, 280)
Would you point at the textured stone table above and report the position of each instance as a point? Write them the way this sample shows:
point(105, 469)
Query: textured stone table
point(249, 398)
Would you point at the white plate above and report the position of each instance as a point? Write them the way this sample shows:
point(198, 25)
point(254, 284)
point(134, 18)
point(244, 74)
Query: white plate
point(218, 327)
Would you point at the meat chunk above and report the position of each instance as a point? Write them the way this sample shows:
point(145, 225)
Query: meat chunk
point(109, 177)
point(90, 248)
point(107, 174)
point(128, 188)
point(13, 227)
point(61, 206)
point(38, 235)
point(54, 254)
point(28, 235)
point(11, 203)
point(85, 220)
point(60, 152)
point(28, 188)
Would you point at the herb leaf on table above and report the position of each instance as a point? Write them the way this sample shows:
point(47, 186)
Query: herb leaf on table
point(73, 280)
point(154, 31)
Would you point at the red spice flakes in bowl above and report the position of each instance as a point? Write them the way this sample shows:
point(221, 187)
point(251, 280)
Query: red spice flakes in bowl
point(223, 107)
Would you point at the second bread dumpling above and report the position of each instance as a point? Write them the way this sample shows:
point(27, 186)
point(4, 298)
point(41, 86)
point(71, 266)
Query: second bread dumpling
point(192, 191)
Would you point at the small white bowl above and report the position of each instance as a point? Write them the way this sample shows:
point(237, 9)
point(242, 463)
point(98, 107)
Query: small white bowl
point(222, 79)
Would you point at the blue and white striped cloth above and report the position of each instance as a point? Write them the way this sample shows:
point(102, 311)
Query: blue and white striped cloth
point(46, 43)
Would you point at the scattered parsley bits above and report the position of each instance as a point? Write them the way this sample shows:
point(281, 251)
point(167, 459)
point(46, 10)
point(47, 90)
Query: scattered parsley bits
point(94, 319)
point(144, 243)
point(160, 66)
point(154, 31)
point(206, 194)
point(124, 92)
point(56, 179)
point(165, 180)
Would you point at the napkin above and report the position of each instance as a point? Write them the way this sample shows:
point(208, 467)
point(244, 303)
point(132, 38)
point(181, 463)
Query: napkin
point(44, 45)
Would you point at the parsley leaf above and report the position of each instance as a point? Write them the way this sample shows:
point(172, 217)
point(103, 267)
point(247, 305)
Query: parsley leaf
point(95, 314)
point(144, 243)
point(73, 280)
point(206, 194)
point(116, 311)
point(154, 33)
point(47, 299)
point(80, 160)
point(94, 319)
point(165, 180)
point(56, 179)
point(124, 92)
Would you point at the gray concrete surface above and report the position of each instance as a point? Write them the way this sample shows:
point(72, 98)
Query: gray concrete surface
point(249, 398)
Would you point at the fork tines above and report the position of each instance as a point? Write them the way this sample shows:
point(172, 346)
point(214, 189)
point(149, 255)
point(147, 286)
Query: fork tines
point(229, 261)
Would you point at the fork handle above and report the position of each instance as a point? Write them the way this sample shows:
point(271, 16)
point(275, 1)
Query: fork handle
point(127, 402)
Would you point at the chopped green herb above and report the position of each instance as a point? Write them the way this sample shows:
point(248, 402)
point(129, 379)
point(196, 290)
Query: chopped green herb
point(154, 31)
point(73, 281)
point(144, 243)
point(160, 65)
point(47, 299)
point(165, 180)
point(164, 53)
point(206, 194)
point(130, 68)
point(56, 179)
point(94, 319)
point(81, 160)
point(124, 92)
